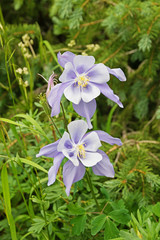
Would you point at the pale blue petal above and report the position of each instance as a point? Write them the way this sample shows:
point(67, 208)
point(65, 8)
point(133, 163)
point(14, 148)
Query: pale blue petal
point(61, 145)
point(104, 167)
point(72, 174)
point(98, 74)
point(86, 110)
point(105, 137)
point(118, 73)
point(54, 169)
point(65, 57)
point(77, 129)
point(49, 150)
point(68, 73)
point(108, 92)
point(55, 96)
point(66, 147)
point(83, 63)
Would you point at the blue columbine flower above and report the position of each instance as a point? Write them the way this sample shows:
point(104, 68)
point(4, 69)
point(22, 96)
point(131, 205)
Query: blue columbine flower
point(81, 82)
point(82, 150)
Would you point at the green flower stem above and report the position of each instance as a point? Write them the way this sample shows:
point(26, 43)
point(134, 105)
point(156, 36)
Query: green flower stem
point(92, 191)
point(47, 111)
point(65, 120)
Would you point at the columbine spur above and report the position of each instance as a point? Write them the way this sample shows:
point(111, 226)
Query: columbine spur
point(81, 82)
point(82, 150)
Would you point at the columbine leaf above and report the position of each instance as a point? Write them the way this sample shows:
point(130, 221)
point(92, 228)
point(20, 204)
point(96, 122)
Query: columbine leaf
point(111, 230)
point(78, 224)
point(120, 216)
point(37, 226)
point(75, 209)
point(97, 224)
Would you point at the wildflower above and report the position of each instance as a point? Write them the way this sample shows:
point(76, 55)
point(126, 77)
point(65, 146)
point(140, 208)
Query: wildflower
point(81, 82)
point(96, 47)
point(25, 70)
point(82, 150)
point(26, 84)
point(93, 47)
point(19, 70)
point(72, 43)
point(26, 39)
point(27, 55)
point(90, 46)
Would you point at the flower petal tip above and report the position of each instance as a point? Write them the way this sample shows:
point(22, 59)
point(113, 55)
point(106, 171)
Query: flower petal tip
point(67, 192)
point(49, 183)
point(120, 105)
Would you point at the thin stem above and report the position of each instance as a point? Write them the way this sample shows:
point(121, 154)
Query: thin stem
point(92, 191)
point(47, 111)
point(65, 120)
point(44, 212)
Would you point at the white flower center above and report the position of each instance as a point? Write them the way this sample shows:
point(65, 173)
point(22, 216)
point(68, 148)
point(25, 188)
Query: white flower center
point(82, 81)
point(81, 151)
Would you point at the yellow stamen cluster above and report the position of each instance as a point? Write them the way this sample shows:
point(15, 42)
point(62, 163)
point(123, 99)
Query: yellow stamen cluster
point(82, 81)
point(81, 151)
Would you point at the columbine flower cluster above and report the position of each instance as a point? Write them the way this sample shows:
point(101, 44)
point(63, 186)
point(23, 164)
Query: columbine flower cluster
point(81, 82)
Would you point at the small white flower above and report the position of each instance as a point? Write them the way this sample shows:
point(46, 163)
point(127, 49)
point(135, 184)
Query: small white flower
point(96, 47)
point(27, 55)
point(72, 43)
point(90, 46)
point(25, 70)
point(19, 70)
point(26, 84)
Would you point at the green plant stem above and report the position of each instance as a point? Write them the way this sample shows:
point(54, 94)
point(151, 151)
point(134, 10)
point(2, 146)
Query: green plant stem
point(55, 126)
point(92, 191)
point(44, 212)
point(65, 120)
point(47, 111)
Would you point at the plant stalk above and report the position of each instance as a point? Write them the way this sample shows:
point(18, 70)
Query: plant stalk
point(92, 191)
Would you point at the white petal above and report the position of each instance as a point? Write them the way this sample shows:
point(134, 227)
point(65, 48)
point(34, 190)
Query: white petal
point(72, 156)
point(77, 129)
point(91, 142)
point(89, 93)
point(68, 73)
point(62, 141)
point(83, 63)
point(72, 93)
point(91, 159)
point(99, 74)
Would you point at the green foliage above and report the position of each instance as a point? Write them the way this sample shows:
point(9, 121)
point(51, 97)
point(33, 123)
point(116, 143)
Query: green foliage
point(111, 230)
point(121, 34)
point(79, 224)
point(97, 223)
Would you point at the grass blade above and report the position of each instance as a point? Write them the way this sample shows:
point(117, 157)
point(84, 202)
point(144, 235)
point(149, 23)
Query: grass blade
point(7, 202)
